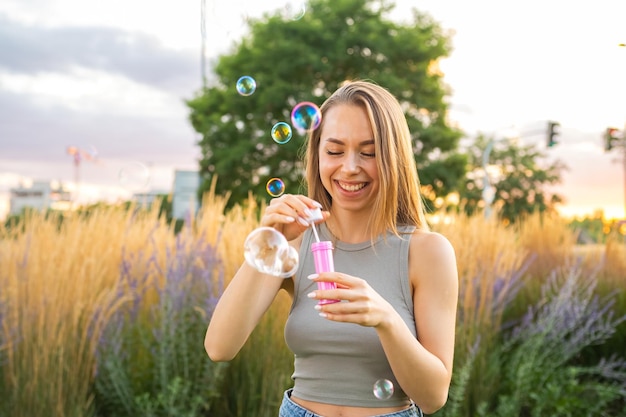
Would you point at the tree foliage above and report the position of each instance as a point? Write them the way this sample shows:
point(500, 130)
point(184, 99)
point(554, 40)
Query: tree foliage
point(306, 60)
point(520, 174)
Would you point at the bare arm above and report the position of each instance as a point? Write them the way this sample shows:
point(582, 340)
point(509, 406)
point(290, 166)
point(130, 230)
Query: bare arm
point(250, 293)
point(422, 366)
point(239, 310)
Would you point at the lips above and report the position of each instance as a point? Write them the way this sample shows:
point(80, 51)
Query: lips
point(351, 187)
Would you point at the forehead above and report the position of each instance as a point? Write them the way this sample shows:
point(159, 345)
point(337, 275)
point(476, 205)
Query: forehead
point(345, 122)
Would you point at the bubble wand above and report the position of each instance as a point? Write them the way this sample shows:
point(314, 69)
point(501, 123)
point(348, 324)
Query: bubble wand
point(322, 256)
point(317, 237)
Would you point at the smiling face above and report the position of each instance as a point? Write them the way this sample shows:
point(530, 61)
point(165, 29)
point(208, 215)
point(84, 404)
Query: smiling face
point(347, 158)
point(360, 160)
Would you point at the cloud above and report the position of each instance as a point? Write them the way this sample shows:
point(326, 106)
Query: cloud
point(31, 132)
point(31, 49)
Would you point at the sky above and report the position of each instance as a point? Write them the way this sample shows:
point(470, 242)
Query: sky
point(111, 79)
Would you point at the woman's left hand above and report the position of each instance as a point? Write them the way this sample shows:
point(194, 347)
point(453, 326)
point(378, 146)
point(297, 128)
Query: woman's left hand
point(359, 302)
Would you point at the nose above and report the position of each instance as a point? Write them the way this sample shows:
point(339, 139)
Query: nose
point(351, 162)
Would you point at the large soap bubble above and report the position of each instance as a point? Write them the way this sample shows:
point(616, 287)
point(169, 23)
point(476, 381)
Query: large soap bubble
point(267, 250)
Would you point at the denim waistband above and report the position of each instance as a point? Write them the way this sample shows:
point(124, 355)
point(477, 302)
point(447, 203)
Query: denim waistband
point(288, 408)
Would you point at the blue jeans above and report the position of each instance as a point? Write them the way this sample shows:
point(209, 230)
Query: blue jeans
point(288, 408)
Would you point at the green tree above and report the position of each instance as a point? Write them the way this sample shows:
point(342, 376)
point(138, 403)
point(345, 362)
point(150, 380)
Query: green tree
point(305, 60)
point(520, 174)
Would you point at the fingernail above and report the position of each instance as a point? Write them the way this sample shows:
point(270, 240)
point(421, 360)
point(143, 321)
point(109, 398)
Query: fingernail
point(311, 294)
point(323, 315)
point(315, 203)
point(290, 219)
point(317, 307)
point(313, 276)
point(303, 222)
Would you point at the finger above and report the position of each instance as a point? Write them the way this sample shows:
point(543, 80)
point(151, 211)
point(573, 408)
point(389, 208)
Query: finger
point(304, 205)
point(280, 209)
point(274, 219)
point(361, 319)
point(297, 206)
point(341, 279)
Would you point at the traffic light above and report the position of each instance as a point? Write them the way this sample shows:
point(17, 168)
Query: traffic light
point(610, 138)
point(553, 132)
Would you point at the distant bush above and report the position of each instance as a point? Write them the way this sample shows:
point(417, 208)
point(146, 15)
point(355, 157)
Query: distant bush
point(105, 314)
point(150, 360)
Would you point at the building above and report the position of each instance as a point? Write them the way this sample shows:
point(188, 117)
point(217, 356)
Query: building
point(185, 193)
point(146, 199)
point(41, 195)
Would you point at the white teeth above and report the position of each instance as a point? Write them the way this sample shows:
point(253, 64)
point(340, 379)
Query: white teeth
point(349, 187)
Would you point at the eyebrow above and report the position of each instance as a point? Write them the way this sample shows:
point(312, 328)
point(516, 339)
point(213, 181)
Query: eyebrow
point(340, 142)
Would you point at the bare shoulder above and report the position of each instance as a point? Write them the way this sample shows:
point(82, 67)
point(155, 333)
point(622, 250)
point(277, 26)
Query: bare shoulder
point(431, 257)
point(427, 243)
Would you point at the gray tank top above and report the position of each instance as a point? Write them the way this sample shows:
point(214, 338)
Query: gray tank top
point(339, 363)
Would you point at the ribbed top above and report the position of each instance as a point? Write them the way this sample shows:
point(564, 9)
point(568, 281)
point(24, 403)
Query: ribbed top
point(339, 363)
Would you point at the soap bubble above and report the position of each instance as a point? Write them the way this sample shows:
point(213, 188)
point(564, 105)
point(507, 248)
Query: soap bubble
point(275, 187)
point(246, 85)
point(281, 133)
point(294, 10)
point(383, 389)
point(306, 116)
point(267, 250)
point(226, 18)
point(134, 176)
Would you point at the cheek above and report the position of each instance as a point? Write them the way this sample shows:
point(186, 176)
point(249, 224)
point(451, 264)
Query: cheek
point(325, 169)
point(326, 165)
point(372, 170)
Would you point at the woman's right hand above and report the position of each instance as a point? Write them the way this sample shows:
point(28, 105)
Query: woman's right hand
point(288, 212)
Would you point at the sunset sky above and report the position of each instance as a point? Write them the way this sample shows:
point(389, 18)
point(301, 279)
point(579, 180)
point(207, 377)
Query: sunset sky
point(113, 76)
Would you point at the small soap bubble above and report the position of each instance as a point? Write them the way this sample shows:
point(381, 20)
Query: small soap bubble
point(227, 18)
point(275, 187)
point(281, 133)
point(383, 389)
point(294, 10)
point(246, 85)
point(306, 116)
point(267, 250)
point(134, 176)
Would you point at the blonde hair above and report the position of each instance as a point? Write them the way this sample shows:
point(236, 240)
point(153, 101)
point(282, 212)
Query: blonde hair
point(399, 201)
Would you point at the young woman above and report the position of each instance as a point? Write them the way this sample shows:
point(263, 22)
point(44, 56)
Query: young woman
point(396, 280)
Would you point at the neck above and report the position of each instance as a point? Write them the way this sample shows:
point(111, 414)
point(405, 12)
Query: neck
point(348, 227)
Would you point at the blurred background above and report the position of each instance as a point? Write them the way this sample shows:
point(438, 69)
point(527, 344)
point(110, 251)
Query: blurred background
point(92, 95)
point(517, 116)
